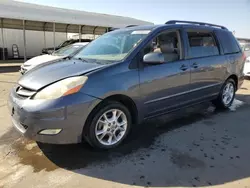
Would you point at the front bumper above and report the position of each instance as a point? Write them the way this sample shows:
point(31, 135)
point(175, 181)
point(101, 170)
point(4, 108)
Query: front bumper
point(68, 113)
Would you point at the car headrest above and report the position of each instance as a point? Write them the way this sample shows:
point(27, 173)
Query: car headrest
point(195, 42)
point(167, 48)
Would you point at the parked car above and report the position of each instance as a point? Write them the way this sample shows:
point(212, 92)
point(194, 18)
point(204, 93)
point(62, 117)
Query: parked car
point(246, 49)
point(58, 55)
point(247, 67)
point(124, 77)
point(63, 44)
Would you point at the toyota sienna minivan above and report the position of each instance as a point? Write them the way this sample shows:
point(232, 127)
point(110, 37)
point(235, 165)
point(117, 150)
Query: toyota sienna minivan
point(124, 77)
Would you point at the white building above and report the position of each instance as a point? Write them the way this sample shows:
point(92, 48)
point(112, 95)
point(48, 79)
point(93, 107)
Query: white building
point(32, 27)
point(34, 41)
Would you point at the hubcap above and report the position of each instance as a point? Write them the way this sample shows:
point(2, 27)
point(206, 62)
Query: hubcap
point(111, 127)
point(228, 93)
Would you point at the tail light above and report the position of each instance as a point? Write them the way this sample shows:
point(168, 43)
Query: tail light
point(244, 57)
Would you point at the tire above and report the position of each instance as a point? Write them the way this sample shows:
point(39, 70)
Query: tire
point(219, 102)
point(92, 126)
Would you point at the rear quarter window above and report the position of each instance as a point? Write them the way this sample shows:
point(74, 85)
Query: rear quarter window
point(228, 42)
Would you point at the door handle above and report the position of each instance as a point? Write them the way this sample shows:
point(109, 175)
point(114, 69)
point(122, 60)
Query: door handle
point(183, 67)
point(194, 65)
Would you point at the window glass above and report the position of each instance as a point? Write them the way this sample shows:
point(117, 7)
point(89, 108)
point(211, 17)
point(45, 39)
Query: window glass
point(166, 43)
point(65, 43)
point(68, 50)
point(228, 42)
point(202, 44)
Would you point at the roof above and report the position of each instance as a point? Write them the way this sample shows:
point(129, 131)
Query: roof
point(38, 13)
point(171, 26)
point(195, 23)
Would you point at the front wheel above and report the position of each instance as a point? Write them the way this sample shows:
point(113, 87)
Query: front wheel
point(227, 95)
point(109, 126)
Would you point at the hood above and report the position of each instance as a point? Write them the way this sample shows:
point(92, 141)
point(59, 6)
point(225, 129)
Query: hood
point(40, 77)
point(42, 59)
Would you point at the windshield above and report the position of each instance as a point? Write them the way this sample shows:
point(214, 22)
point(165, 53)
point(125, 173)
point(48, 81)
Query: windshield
point(68, 50)
point(113, 46)
point(65, 43)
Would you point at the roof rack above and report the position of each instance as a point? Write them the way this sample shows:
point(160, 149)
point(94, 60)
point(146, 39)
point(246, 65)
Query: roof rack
point(196, 23)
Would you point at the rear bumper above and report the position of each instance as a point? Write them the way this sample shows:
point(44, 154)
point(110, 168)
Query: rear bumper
point(69, 114)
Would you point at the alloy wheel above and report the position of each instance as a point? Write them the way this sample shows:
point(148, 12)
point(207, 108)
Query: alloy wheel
point(228, 93)
point(111, 127)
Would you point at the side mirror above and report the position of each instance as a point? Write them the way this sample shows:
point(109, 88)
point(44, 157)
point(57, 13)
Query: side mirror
point(247, 49)
point(154, 58)
point(50, 52)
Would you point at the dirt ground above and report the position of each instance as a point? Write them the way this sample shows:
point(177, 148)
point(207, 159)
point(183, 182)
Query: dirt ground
point(194, 147)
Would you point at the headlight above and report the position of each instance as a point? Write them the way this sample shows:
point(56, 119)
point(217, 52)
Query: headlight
point(248, 60)
point(62, 88)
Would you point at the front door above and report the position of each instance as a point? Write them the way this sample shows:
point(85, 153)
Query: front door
point(164, 86)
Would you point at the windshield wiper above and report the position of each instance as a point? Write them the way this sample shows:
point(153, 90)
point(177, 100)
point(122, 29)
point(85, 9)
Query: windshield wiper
point(83, 60)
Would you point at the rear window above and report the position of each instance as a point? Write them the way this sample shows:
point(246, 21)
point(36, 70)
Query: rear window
point(228, 42)
point(202, 44)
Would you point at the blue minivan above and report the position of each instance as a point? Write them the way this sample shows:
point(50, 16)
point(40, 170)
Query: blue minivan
point(124, 77)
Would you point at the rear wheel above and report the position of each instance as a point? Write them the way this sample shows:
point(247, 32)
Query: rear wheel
point(109, 126)
point(227, 94)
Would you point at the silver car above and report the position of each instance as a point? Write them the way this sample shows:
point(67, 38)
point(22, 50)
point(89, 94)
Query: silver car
point(55, 56)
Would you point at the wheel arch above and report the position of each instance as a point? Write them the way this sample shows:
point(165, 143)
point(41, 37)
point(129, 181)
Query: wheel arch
point(235, 78)
point(121, 98)
point(128, 103)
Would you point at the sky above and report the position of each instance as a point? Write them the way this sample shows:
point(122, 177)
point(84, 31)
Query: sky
point(234, 14)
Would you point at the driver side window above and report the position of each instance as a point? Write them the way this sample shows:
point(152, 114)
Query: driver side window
point(167, 44)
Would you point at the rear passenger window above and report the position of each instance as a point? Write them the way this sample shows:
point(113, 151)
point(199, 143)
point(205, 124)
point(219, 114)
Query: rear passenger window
point(202, 44)
point(228, 42)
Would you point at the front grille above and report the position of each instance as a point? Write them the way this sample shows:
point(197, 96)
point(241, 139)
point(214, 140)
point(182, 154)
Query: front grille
point(24, 92)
